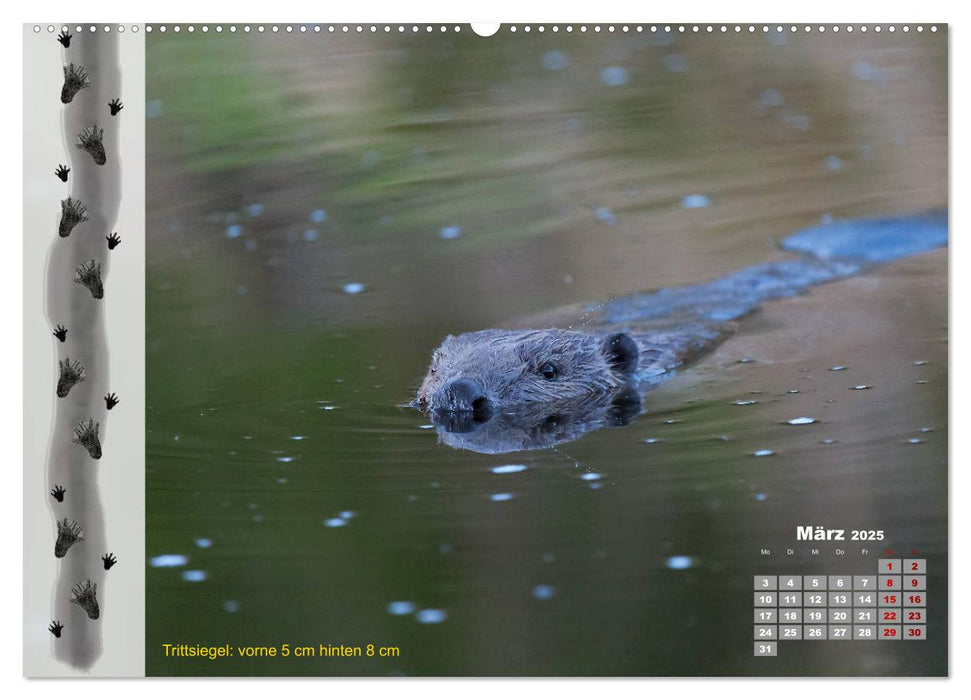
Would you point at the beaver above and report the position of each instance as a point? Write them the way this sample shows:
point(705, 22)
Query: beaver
point(526, 389)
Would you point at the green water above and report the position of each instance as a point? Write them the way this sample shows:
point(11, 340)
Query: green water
point(282, 168)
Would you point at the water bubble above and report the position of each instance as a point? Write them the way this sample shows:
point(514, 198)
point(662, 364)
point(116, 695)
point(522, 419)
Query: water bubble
point(203, 542)
point(500, 497)
point(920, 363)
point(234, 231)
point(284, 459)
point(543, 592)
point(770, 98)
point(548, 558)
point(508, 469)
point(347, 514)
point(828, 441)
point(837, 368)
point(353, 288)
point(298, 437)
point(614, 76)
point(606, 215)
point(194, 576)
point(860, 387)
point(802, 420)
point(675, 63)
point(695, 201)
point(154, 109)
point(760, 497)
point(679, 561)
point(335, 522)
point(254, 210)
point(401, 607)
point(798, 121)
point(310, 235)
point(370, 158)
point(555, 60)
point(251, 245)
point(763, 453)
point(651, 441)
point(231, 606)
point(318, 216)
point(431, 616)
point(915, 441)
point(747, 402)
point(833, 163)
point(590, 476)
point(448, 233)
point(167, 560)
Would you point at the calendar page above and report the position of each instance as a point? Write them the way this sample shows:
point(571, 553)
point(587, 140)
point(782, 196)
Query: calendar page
point(369, 349)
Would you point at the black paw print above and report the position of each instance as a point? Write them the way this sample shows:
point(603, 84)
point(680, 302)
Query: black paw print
point(55, 628)
point(65, 40)
point(62, 171)
point(60, 333)
point(58, 493)
point(109, 560)
point(111, 400)
point(115, 106)
point(113, 241)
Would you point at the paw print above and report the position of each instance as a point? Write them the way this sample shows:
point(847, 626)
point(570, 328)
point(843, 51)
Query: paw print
point(91, 139)
point(72, 214)
point(65, 39)
point(58, 493)
point(75, 80)
point(69, 533)
point(55, 628)
point(111, 400)
point(113, 241)
point(109, 560)
point(115, 106)
point(85, 595)
point(62, 171)
point(60, 333)
point(89, 275)
point(87, 437)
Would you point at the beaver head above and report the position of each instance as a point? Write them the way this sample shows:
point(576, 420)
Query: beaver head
point(475, 374)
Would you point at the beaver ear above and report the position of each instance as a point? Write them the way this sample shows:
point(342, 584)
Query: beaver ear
point(621, 353)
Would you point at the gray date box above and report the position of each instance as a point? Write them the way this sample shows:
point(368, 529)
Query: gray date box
point(864, 583)
point(914, 616)
point(864, 632)
point(814, 631)
point(915, 583)
point(790, 632)
point(889, 583)
point(814, 600)
point(889, 566)
point(915, 633)
point(868, 616)
point(765, 599)
point(790, 600)
point(766, 616)
point(889, 599)
point(917, 599)
point(790, 583)
point(840, 616)
point(814, 583)
point(766, 633)
point(844, 632)
point(841, 583)
point(765, 583)
point(766, 649)
point(889, 632)
point(840, 600)
point(790, 616)
point(867, 599)
point(915, 566)
point(891, 616)
point(814, 617)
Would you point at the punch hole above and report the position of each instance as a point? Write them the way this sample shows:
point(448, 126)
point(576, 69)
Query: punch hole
point(36, 29)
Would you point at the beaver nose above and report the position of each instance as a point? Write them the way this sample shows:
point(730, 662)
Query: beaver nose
point(464, 396)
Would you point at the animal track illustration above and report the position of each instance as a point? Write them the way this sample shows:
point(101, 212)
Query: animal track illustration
point(69, 533)
point(115, 106)
point(87, 437)
point(109, 560)
point(55, 628)
point(65, 38)
point(58, 493)
point(111, 400)
point(75, 80)
point(86, 595)
point(71, 373)
point(62, 171)
point(89, 274)
point(113, 241)
point(60, 332)
point(91, 139)
point(72, 214)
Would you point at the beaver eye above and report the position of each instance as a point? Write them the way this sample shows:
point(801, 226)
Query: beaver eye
point(548, 370)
